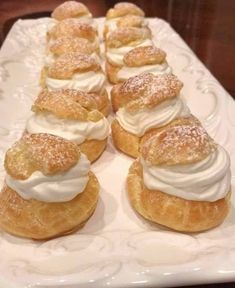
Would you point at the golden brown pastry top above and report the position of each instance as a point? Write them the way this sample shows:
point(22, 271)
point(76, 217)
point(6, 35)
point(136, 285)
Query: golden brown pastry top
point(70, 9)
point(130, 36)
point(146, 90)
point(74, 28)
point(131, 21)
point(69, 104)
point(66, 65)
point(184, 141)
point(124, 8)
point(72, 44)
point(40, 152)
point(144, 55)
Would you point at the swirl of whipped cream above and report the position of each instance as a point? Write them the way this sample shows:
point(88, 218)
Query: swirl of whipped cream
point(140, 121)
point(115, 55)
point(207, 180)
point(87, 82)
point(60, 187)
point(77, 131)
point(126, 72)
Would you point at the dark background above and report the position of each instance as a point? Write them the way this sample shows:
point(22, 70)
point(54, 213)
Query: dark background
point(207, 26)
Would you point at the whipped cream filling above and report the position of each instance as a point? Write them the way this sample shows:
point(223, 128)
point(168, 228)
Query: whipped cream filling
point(115, 55)
point(87, 82)
point(77, 131)
point(60, 187)
point(207, 180)
point(140, 121)
point(126, 72)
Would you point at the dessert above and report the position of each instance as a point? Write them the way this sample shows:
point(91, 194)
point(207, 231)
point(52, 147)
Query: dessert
point(182, 179)
point(72, 28)
point(66, 45)
point(71, 9)
point(122, 40)
point(49, 190)
point(74, 71)
point(143, 103)
point(149, 59)
point(73, 115)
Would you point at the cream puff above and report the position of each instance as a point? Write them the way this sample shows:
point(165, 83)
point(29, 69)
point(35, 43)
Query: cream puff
point(66, 45)
point(124, 14)
point(120, 41)
point(74, 71)
point(124, 21)
point(182, 179)
point(71, 9)
point(149, 59)
point(73, 115)
point(49, 190)
point(143, 103)
point(72, 28)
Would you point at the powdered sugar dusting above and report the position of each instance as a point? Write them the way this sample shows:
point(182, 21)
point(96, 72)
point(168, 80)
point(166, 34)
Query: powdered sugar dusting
point(180, 144)
point(147, 90)
point(67, 104)
point(44, 152)
point(144, 55)
point(66, 65)
point(69, 9)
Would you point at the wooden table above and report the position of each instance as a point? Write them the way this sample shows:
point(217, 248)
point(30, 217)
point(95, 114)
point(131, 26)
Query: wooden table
point(207, 26)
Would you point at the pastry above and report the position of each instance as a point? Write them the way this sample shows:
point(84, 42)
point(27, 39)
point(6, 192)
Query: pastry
point(182, 179)
point(49, 190)
point(122, 40)
point(139, 60)
point(71, 9)
point(143, 103)
point(74, 71)
point(123, 9)
point(125, 21)
point(72, 28)
point(66, 45)
point(73, 115)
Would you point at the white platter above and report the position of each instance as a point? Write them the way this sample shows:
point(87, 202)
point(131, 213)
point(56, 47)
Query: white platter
point(116, 248)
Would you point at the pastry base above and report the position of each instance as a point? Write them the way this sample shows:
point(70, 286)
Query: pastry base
point(93, 148)
point(42, 220)
point(124, 141)
point(111, 72)
point(174, 212)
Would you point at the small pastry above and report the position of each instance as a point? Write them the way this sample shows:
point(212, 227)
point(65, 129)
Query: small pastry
point(72, 28)
point(74, 71)
point(143, 103)
point(123, 9)
point(49, 190)
point(182, 179)
point(139, 60)
point(125, 21)
point(73, 115)
point(71, 9)
point(122, 40)
point(66, 45)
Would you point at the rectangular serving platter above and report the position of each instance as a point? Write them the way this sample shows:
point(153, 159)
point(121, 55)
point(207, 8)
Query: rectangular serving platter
point(117, 248)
